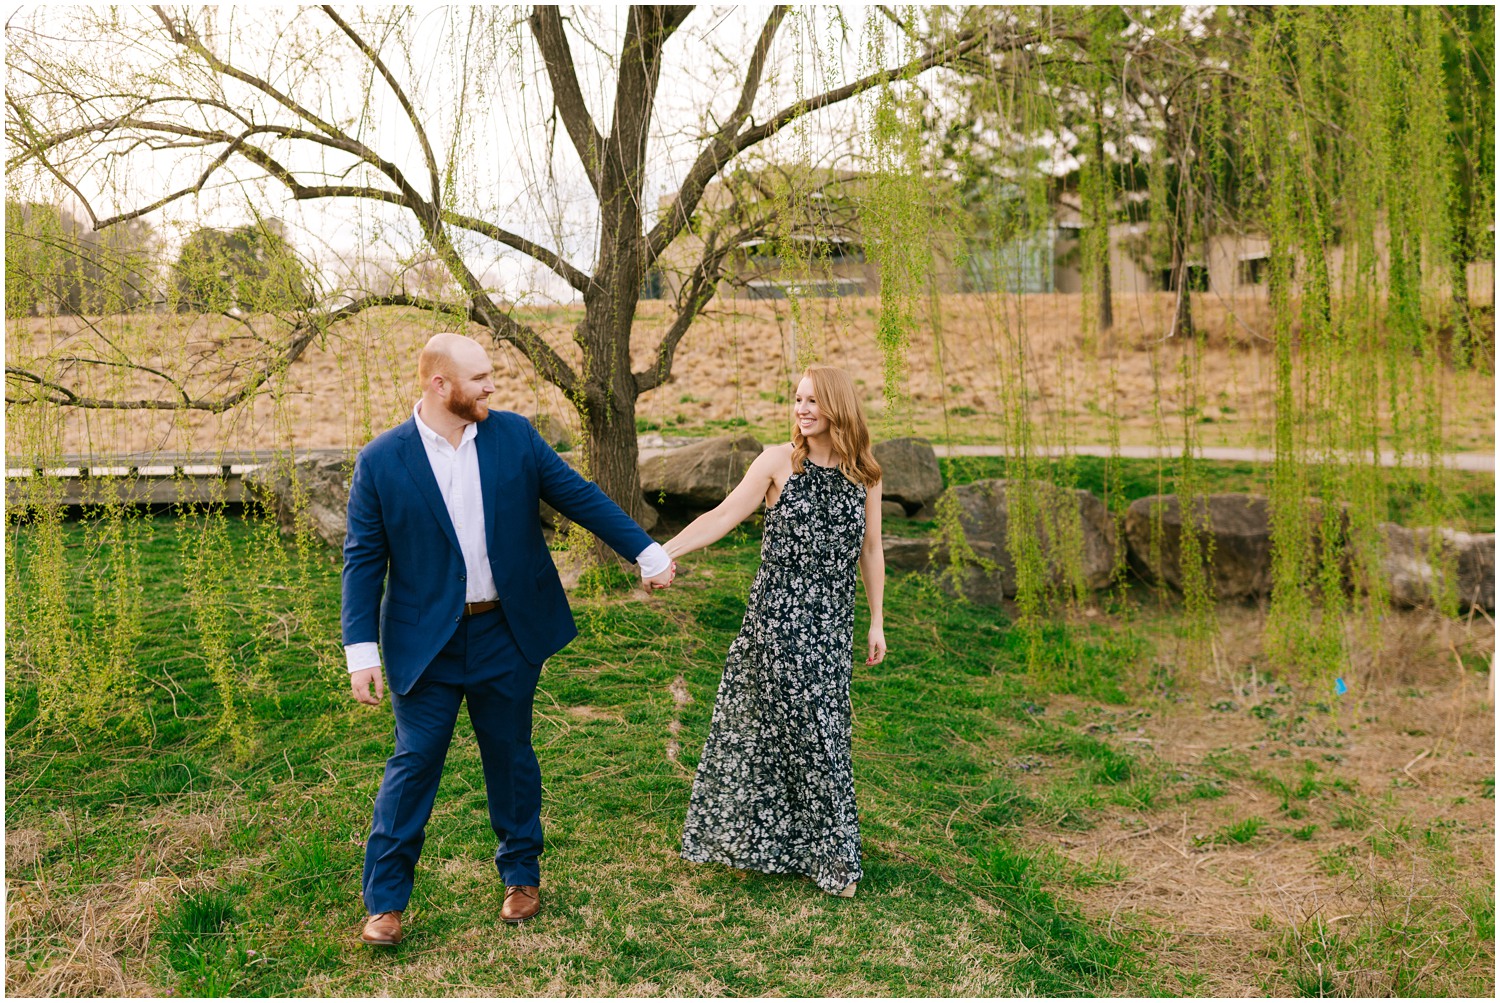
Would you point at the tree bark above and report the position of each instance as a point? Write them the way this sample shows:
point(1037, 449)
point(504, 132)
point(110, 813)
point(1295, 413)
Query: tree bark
point(614, 457)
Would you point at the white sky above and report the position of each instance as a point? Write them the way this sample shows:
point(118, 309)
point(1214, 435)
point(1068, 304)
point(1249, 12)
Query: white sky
point(480, 86)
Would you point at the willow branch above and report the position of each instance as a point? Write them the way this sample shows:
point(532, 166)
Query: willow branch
point(406, 105)
point(569, 272)
point(547, 26)
point(716, 154)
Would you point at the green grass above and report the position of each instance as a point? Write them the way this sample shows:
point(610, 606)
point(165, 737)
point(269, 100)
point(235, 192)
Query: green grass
point(207, 874)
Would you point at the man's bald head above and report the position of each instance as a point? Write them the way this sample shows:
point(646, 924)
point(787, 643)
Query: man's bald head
point(447, 355)
point(457, 376)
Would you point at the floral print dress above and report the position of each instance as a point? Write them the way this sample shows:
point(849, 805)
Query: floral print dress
point(774, 790)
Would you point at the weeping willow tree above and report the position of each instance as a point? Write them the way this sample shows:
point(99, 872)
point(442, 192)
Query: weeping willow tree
point(1365, 125)
point(372, 138)
point(1358, 144)
point(272, 181)
point(165, 109)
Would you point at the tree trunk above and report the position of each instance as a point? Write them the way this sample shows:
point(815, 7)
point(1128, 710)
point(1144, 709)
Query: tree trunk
point(614, 458)
point(1463, 337)
point(1106, 294)
point(607, 408)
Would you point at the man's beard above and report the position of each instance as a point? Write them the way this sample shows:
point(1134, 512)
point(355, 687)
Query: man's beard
point(467, 408)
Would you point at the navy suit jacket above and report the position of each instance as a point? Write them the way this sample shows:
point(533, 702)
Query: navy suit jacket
point(401, 543)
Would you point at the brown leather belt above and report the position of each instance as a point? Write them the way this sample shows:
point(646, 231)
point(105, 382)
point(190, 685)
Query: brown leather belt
point(475, 608)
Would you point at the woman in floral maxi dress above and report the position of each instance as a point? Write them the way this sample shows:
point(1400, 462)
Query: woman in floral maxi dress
point(774, 790)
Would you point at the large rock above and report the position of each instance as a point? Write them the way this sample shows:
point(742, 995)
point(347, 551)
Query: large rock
point(322, 482)
point(698, 476)
point(1072, 526)
point(1240, 527)
point(1414, 580)
point(928, 555)
point(910, 473)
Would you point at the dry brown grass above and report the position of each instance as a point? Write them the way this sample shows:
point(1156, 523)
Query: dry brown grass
point(1419, 745)
point(98, 940)
point(737, 363)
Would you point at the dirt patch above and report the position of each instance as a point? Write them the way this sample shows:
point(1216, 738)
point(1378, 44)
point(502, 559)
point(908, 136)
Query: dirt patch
point(585, 713)
point(1278, 821)
point(680, 699)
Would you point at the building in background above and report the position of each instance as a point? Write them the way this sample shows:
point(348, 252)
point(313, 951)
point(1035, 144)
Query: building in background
point(824, 253)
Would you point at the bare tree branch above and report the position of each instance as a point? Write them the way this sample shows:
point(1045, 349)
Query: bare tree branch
point(547, 26)
point(700, 287)
point(188, 39)
point(298, 340)
point(411, 113)
point(716, 153)
point(570, 273)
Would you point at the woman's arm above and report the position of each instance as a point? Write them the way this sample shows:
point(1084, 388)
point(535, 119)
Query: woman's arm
point(712, 525)
point(872, 569)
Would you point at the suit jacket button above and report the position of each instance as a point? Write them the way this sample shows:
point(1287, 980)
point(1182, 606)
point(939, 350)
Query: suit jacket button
point(458, 618)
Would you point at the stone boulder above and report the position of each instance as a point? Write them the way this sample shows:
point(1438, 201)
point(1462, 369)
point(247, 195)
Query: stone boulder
point(700, 475)
point(1069, 520)
point(910, 472)
point(324, 486)
point(1240, 526)
point(1412, 578)
point(903, 553)
point(927, 555)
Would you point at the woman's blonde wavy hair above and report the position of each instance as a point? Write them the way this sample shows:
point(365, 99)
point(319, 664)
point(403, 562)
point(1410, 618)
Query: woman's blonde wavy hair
point(838, 403)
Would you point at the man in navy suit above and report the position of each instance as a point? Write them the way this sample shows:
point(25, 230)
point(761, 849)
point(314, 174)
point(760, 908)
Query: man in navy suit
point(447, 575)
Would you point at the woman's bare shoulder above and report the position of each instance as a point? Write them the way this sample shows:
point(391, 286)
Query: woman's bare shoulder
point(777, 456)
point(779, 451)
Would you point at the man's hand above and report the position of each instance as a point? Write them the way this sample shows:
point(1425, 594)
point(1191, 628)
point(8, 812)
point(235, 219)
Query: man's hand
point(361, 680)
point(663, 580)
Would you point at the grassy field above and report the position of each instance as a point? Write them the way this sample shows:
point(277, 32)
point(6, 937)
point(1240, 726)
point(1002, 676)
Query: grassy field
point(1116, 823)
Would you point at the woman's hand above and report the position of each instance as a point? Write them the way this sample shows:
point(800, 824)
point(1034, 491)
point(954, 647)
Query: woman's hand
point(877, 646)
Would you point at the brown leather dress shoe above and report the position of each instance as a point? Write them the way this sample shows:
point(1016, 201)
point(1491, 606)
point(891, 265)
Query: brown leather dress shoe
point(522, 902)
point(383, 929)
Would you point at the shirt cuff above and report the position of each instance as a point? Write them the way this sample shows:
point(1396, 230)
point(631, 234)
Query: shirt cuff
point(364, 655)
point(653, 561)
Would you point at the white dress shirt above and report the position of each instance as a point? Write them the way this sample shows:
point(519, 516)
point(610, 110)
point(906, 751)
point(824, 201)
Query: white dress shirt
point(457, 474)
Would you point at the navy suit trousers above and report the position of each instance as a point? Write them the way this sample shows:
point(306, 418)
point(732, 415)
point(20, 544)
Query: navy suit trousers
point(480, 664)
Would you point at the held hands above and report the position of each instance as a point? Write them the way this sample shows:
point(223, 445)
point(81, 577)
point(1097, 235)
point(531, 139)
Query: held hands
point(360, 682)
point(663, 580)
point(877, 646)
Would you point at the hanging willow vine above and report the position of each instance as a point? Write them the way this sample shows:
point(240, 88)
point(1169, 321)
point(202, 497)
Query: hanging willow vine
point(1358, 142)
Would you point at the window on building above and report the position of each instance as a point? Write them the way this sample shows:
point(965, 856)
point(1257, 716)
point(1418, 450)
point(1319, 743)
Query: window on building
point(1255, 271)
